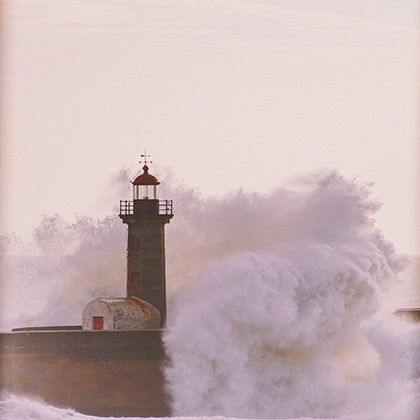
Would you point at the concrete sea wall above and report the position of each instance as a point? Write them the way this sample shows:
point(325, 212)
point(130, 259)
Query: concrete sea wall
point(410, 314)
point(108, 373)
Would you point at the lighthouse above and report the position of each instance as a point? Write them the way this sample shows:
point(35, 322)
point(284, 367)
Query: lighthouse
point(145, 304)
point(146, 217)
point(114, 362)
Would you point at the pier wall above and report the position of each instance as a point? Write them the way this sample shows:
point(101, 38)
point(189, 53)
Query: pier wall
point(105, 373)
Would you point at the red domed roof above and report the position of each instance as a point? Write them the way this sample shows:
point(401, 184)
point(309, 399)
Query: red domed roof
point(145, 178)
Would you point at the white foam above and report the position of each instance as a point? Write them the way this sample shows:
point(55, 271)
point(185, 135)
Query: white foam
point(275, 302)
point(290, 324)
point(20, 408)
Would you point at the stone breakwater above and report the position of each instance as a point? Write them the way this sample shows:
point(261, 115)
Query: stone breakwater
point(103, 373)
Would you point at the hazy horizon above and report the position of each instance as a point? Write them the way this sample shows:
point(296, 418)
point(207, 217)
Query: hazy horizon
point(229, 94)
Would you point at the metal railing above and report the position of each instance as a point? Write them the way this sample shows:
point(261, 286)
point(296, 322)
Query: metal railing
point(126, 208)
point(164, 207)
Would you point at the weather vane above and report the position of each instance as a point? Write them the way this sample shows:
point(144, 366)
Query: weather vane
point(145, 156)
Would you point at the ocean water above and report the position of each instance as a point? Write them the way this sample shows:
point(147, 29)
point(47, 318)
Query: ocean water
point(280, 305)
point(19, 408)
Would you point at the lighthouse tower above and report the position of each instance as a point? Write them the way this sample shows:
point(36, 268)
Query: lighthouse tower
point(146, 217)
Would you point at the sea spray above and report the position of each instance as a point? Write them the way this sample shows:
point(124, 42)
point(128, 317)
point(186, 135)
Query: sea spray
point(287, 326)
point(51, 279)
point(13, 407)
point(273, 299)
point(48, 279)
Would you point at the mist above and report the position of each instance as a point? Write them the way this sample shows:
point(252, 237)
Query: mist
point(276, 301)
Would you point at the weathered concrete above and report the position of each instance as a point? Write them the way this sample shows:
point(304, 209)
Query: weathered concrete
point(107, 373)
point(410, 314)
point(121, 313)
point(49, 328)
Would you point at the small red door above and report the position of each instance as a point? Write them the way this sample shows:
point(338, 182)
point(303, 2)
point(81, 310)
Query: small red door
point(98, 322)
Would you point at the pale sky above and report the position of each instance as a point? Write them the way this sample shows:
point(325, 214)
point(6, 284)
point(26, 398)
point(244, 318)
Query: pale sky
point(228, 93)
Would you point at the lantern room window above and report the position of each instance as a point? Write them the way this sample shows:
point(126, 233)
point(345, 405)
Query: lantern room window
point(145, 192)
point(145, 186)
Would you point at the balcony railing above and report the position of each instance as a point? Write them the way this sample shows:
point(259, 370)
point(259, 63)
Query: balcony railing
point(126, 208)
point(164, 207)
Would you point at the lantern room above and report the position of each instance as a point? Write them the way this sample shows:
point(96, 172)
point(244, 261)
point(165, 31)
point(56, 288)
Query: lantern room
point(145, 197)
point(145, 186)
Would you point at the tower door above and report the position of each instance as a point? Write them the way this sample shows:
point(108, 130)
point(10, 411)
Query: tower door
point(98, 322)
